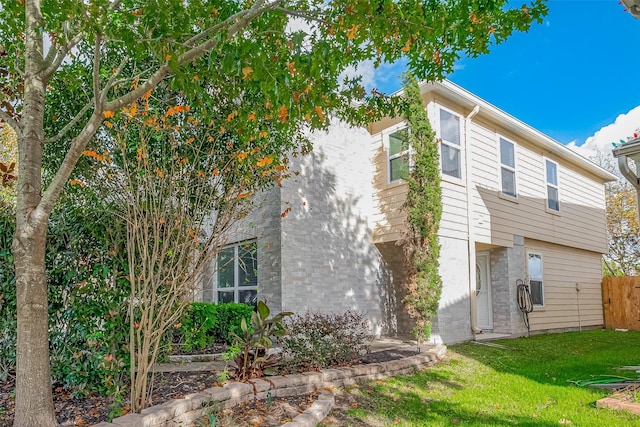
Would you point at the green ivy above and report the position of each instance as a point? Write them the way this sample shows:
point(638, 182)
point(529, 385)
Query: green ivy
point(424, 210)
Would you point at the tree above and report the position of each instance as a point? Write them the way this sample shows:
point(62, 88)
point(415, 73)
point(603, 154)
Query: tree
point(423, 211)
point(239, 45)
point(623, 258)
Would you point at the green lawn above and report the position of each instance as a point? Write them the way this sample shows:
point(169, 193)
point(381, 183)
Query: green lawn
point(528, 384)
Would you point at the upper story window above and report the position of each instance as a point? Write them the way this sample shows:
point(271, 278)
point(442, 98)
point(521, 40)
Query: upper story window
point(237, 273)
point(399, 155)
point(508, 167)
point(534, 270)
point(553, 195)
point(450, 144)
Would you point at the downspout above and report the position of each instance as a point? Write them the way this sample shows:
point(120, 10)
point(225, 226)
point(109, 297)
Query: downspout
point(470, 227)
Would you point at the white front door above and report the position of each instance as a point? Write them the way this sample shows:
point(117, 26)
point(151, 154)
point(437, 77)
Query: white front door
point(483, 292)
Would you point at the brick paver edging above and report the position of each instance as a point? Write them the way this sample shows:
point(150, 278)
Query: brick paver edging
point(183, 412)
point(618, 405)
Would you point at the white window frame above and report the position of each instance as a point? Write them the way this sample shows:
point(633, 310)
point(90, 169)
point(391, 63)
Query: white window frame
point(507, 167)
point(540, 279)
point(551, 185)
point(450, 144)
point(408, 152)
point(236, 288)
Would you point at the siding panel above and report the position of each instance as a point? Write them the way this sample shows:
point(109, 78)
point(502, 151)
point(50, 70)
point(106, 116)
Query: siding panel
point(563, 268)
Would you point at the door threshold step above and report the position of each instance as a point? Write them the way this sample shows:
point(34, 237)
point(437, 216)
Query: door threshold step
point(490, 336)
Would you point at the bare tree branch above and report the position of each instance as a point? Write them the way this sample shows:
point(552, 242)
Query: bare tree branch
point(299, 14)
point(112, 80)
point(78, 144)
point(96, 73)
point(71, 124)
point(57, 55)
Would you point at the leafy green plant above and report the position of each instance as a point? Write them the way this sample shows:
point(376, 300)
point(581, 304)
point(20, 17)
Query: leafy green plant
point(252, 361)
point(86, 291)
point(204, 324)
point(319, 340)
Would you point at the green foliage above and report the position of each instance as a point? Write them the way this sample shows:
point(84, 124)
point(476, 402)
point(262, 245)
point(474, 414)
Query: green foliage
point(251, 346)
point(319, 340)
point(7, 293)
point(87, 290)
point(204, 324)
point(424, 210)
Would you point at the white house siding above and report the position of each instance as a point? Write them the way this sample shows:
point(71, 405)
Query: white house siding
point(453, 323)
point(563, 269)
point(497, 219)
point(329, 262)
point(484, 152)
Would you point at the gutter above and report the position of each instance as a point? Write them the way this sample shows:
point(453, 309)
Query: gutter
point(470, 226)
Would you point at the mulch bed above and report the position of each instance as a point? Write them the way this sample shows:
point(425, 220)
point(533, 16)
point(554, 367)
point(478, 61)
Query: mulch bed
point(173, 385)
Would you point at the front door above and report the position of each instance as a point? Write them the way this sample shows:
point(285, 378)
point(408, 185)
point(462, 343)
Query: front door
point(483, 292)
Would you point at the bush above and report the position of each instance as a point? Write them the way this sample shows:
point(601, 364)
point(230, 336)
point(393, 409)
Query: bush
point(87, 289)
point(320, 340)
point(205, 324)
point(8, 322)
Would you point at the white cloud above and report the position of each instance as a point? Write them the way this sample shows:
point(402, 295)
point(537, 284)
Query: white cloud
point(385, 78)
point(600, 142)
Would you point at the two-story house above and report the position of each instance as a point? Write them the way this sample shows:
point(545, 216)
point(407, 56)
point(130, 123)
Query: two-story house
point(518, 207)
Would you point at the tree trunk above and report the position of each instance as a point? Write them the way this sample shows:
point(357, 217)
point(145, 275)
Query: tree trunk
point(34, 400)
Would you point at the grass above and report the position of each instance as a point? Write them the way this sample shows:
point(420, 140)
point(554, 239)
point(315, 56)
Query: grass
point(527, 384)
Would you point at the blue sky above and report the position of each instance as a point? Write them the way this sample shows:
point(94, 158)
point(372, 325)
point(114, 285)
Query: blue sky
point(567, 77)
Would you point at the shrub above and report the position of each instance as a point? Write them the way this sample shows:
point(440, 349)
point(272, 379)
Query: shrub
point(320, 340)
point(7, 295)
point(87, 290)
point(205, 324)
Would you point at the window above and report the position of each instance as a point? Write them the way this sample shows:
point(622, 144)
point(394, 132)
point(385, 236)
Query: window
point(450, 144)
point(534, 269)
point(553, 197)
point(399, 156)
point(508, 167)
point(237, 273)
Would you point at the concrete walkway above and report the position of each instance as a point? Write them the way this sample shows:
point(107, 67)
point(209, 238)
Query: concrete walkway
point(214, 362)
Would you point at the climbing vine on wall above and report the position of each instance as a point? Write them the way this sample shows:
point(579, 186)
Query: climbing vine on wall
point(423, 212)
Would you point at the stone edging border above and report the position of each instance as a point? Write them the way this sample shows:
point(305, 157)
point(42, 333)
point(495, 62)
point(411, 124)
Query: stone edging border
point(618, 405)
point(183, 412)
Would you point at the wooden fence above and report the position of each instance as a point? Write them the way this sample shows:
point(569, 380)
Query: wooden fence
point(621, 298)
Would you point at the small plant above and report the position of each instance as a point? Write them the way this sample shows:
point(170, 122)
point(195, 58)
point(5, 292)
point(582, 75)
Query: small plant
point(253, 343)
point(318, 340)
